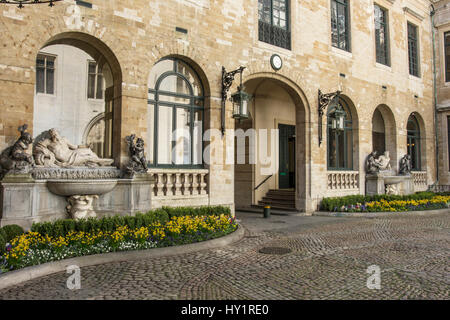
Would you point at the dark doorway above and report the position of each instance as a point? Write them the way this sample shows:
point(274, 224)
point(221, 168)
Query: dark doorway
point(287, 156)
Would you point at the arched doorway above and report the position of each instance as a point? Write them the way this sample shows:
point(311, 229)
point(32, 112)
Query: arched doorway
point(277, 175)
point(413, 142)
point(78, 91)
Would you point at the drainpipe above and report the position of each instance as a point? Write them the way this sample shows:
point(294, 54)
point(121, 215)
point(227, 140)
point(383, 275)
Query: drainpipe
point(432, 13)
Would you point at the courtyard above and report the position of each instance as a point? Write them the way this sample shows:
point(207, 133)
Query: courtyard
point(328, 258)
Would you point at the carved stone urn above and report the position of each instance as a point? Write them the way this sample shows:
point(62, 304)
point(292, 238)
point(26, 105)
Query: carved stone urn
point(81, 194)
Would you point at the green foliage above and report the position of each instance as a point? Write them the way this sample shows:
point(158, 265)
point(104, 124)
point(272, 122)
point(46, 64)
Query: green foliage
point(2, 244)
point(109, 224)
point(331, 204)
point(11, 231)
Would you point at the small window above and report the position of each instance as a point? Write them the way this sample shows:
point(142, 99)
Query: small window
point(447, 56)
point(95, 81)
point(273, 26)
point(45, 74)
point(381, 35)
point(340, 27)
point(413, 50)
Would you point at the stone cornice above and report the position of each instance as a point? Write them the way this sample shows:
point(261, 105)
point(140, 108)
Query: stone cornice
point(413, 13)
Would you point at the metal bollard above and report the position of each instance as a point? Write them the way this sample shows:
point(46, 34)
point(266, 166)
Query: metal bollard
point(266, 211)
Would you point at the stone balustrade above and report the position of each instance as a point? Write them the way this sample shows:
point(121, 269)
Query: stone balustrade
point(419, 178)
point(179, 182)
point(343, 180)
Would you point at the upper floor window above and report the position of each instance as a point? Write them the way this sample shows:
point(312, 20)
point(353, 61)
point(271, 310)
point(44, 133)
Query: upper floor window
point(273, 25)
point(45, 74)
point(95, 81)
point(381, 35)
point(413, 51)
point(447, 56)
point(340, 27)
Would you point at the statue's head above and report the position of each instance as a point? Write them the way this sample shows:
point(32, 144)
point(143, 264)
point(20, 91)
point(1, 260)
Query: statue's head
point(53, 133)
point(140, 142)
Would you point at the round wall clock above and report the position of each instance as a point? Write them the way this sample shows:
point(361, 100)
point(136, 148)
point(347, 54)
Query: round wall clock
point(276, 62)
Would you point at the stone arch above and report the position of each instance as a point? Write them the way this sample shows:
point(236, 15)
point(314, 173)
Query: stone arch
point(390, 127)
point(252, 82)
point(200, 63)
point(102, 53)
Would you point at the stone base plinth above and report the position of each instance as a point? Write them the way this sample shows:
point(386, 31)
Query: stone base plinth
point(24, 201)
point(377, 183)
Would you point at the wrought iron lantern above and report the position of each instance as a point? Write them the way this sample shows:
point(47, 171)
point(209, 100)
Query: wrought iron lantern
point(21, 3)
point(339, 118)
point(240, 101)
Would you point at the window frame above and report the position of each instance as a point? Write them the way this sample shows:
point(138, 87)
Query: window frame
point(155, 92)
point(273, 30)
point(46, 56)
point(417, 53)
point(97, 74)
point(418, 145)
point(346, 4)
point(446, 63)
point(348, 130)
point(386, 29)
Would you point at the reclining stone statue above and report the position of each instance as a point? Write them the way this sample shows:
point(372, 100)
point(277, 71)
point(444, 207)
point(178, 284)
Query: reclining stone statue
point(375, 165)
point(15, 158)
point(57, 151)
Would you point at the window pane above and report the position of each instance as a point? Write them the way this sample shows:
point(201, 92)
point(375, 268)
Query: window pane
point(187, 71)
point(447, 56)
point(183, 137)
point(332, 155)
point(165, 135)
point(175, 84)
point(149, 143)
point(334, 33)
point(50, 81)
point(158, 69)
point(40, 78)
point(91, 86)
point(197, 137)
point(99, 87)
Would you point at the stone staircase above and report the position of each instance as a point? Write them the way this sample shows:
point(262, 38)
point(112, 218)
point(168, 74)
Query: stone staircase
point(281, 199)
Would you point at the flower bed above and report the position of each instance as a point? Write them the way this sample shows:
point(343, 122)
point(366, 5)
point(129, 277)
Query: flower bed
point(34, 248)
point(417, 202)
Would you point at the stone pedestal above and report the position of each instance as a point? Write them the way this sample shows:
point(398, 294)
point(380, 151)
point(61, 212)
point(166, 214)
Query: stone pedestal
point(24, 200)
point(377, 183)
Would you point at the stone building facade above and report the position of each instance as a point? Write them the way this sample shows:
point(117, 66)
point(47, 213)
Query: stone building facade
point(321, 47)
point(441, 21)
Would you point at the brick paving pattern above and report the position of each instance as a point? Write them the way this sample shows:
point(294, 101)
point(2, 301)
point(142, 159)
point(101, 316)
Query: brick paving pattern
point(328, 260)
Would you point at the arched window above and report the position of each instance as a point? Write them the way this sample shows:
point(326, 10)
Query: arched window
point(339, 133)
point(175, 121)
point(413, 142)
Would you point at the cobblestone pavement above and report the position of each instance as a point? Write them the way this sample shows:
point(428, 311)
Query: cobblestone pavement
point(328, 260)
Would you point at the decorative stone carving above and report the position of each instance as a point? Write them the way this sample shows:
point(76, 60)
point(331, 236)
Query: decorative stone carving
point(80, 207)
point(138, 162)
point(405, 165)
point(383, 161)
point(80, 173)
point(57, 151)
point(375, 165)
point(15, 159)
point(391, 189)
